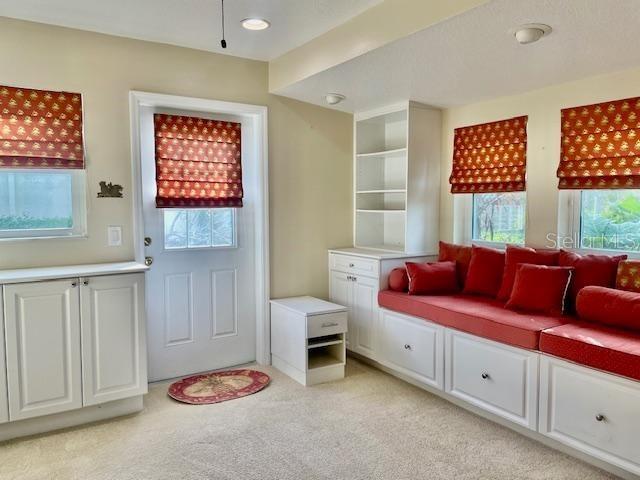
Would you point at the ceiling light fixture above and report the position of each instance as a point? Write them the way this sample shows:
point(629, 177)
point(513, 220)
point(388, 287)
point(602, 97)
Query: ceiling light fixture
point(255, 24)
point(334, 98)
point(531, 32)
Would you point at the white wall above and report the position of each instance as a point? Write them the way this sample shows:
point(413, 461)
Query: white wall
point(543, 142)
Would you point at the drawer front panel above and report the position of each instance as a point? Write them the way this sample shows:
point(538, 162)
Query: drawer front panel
point(413, 346)
point(591, 411)
point(327, 324)
point(356, 265)
point(498, 378)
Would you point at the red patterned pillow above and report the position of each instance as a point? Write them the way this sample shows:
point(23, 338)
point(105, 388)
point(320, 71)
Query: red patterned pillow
point(539, 288)
point(597, 270)
point(516, 255)
point(461, 254)
point(485, 271)
point(628, 277)
point(432, 278)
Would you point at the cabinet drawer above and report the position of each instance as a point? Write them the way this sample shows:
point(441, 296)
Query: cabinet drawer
point(351, 264)
point(591, 411)
point(326, 324)
point(413, 346)
point(493, 376)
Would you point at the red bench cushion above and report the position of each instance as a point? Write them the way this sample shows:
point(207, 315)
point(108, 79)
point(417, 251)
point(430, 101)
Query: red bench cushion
point(610, 349)
point(485, 317)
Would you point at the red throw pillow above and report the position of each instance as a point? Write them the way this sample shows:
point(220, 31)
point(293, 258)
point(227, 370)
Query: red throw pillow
point(516, 255)
point(432, 278)
point(628, 276)
point(609, 306)
point(597, 270)
point(461, 254)
point(485, 271)
point(540, 288)
point(399, 280)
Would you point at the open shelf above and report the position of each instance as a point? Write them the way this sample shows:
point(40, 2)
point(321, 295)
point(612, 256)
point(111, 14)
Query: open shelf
point(389, 190)
point(326, 356)
point(394, 153)
point(388, 210)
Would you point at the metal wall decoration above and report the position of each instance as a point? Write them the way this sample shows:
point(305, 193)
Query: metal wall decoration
point(110, 190)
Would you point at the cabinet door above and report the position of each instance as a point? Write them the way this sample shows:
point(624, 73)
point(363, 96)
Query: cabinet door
point(43, 347)
point(364, 312)
point(4, 402)
point(341, 292)
point(113, 338)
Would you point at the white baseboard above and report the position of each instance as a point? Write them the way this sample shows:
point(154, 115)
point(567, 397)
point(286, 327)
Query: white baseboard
point(48, 423)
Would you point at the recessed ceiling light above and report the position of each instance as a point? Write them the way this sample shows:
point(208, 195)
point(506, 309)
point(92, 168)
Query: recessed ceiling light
point(255, 23)
point(334, 98)
point(531, 32)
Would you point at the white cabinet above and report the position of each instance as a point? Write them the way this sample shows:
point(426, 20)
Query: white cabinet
point(43, 347)
point(594, 412)
point(113, 331)
point(412, 346)
point(497, 377)
point(72, 343)
point(4, 401)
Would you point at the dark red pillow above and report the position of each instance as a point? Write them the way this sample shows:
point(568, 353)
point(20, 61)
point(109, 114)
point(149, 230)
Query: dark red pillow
point(399, 280)
point(597, 270)
point(461, 254)
point(609, 306)
point(432, 278)
point(516, 255)
point(540, 288)
point(485, 271)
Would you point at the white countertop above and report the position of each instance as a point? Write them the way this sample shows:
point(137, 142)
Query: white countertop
point(48, 273)
point(377, 254)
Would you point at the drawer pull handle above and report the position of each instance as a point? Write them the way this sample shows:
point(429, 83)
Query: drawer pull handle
point(329, 324)
point(74, 284)
point(600, 417)
point(407, 346)
point(485, 376)
point(351, 265)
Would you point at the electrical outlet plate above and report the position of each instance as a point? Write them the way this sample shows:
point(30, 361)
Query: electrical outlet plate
point(114, 235)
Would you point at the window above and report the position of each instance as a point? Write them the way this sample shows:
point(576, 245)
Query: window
point(499, 217)
point(610, 220)
point(42, 203)
point(199, 228)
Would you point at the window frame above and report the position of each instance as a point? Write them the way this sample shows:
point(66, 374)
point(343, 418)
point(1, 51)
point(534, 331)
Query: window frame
point(463, 222)
point(569, 226)
point(79, 209)
point(234, 245)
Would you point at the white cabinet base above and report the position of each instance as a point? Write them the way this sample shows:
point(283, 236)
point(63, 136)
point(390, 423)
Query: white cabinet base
point(48, 423)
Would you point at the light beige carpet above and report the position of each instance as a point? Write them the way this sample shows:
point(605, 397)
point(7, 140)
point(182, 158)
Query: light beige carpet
point(368, 426)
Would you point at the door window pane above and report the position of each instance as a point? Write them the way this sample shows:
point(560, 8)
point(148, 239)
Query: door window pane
point(499, 217)
point(610, 219)
point(199, 228)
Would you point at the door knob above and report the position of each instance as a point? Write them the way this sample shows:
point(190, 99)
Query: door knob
point(148, 261)
point(147, 241)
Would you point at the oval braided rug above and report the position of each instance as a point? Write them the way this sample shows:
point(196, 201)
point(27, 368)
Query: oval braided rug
point(217, 387)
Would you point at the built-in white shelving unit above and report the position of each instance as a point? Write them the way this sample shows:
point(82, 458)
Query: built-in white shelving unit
point(397, 178)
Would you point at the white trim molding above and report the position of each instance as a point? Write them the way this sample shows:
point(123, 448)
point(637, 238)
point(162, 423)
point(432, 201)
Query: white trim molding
point(258, 115)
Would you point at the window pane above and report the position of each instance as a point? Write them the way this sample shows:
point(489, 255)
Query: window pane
point(35, 200)
point(223, 227)
point(199, 226)
point(610, 219)
point(499, 217)
point(175, 228)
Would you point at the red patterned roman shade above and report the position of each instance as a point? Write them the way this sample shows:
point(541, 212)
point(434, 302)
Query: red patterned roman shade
point(490, 157)
point(600, 147)
point(197, 162)
point(40, 129)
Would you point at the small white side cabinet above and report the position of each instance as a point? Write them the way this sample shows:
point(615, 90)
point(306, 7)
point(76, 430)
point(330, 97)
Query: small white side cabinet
point(71, 343)
point(308, 339)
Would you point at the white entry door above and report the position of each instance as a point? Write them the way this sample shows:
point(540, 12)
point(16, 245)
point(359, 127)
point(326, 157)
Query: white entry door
point(200, 289)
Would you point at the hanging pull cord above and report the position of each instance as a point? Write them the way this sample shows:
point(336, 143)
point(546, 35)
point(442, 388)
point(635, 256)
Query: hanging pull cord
point(223, 42)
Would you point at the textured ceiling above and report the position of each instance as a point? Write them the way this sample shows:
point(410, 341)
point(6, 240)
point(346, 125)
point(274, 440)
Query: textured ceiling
point(474, 56)
point(196, 23)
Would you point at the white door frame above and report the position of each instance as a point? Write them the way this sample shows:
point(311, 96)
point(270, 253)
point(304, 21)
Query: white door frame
point(254, 113)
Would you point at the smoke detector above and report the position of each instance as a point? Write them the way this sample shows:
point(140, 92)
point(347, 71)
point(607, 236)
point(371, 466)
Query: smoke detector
point(531, 32)
point(334, 98)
